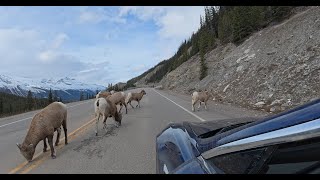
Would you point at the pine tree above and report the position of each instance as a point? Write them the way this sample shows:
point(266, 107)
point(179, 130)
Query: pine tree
point(50, 100)
point(60, 99)
point(55, 98)
point(116, 87)
point(29, 100)
point(81, 96)
point(1, 106)
point(203, 66)
point(10, 109)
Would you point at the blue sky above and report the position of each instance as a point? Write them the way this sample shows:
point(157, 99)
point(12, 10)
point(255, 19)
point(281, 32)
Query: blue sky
point(98, 45)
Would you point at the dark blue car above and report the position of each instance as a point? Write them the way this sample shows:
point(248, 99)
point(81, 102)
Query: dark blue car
point(286, 143)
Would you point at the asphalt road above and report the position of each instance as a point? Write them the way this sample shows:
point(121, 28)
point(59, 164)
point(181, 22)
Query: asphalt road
point(127, 149)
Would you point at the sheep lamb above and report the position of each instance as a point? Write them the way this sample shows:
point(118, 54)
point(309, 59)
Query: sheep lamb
point(135, 97)
point(43, 125)
point(106, 108)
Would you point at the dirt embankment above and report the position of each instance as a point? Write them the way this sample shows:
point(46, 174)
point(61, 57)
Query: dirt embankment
point(275, 69)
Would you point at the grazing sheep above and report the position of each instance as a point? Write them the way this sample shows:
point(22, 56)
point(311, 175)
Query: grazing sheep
point(136, 97)
point(202, 97)
point(103, 94)
point(118, 98)
point(43, 126)
point(106, 108)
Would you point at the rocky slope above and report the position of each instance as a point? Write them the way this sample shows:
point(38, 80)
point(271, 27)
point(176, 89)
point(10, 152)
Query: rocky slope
point(275, 69)
point(142, 81)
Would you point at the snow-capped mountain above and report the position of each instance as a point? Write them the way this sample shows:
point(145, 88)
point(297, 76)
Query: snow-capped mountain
point(66, 88)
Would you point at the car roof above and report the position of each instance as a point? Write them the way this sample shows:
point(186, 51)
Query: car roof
point(296, 116)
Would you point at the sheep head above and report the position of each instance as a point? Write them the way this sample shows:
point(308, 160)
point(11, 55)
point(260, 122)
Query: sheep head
point(118, 118)
point(27, 151)
point(143, 92)
point(210, 94)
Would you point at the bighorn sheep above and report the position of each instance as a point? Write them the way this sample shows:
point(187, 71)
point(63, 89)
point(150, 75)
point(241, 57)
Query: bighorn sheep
point(103, 94)
point(43, 126)
point(106, 108)
point(202, 97)
point(136, 97)
point(118, 98)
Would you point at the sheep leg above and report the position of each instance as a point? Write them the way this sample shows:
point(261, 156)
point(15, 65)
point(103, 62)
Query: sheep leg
point(97, 120)
point(45, 145)
point(130, 104)
point(58, 136)
point(117, 123)
point(105, 123)
point(120, 108)
point(205, 105)
point(50, 141)
point(64, 125)
point(125, 107)
point(199, 105)
point(193, 105)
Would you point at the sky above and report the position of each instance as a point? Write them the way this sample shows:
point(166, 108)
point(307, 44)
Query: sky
point(97, 45)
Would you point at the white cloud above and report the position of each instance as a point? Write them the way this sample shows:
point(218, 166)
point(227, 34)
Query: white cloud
point(174, 22)
point(98, 15)
point(88, 70)
point(51, 54)
point(91, 43)
point(143, 13)
point(59, 40)
point(47, 56)
point(22, 53)
point(87, 16)
point(18, 46)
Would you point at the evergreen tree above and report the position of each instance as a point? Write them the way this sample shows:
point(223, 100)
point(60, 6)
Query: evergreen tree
point(1, 106)
point(29, 101)
point(203, 66)
point(50, 100)
point(60, 99)
point(223, 23)
point(10, 109)
point(55, 98)
point(81, 95)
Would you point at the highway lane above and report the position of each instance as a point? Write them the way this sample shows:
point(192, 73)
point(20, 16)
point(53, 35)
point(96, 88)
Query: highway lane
point(13, 130)
point(128, 149)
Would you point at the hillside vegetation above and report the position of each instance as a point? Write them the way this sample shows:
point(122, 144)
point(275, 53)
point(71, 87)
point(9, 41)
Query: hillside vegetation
point(223, 24)
point(274, 67)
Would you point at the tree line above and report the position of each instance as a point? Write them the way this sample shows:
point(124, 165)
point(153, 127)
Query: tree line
point(220, 24)
point(12, 104)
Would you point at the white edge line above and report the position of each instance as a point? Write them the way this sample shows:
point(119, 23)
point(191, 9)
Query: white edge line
point(15, 122)
point(180, 106)
point(31, 117)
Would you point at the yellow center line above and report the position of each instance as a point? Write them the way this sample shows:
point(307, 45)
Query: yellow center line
point(37, 160)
